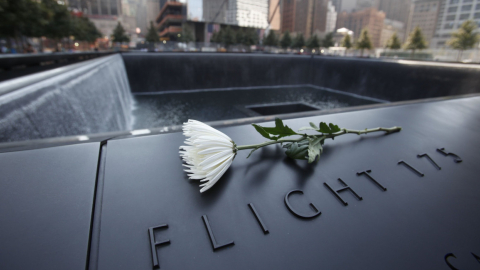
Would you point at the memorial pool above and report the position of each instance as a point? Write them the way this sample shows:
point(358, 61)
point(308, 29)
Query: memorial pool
point(161, 109)
point(109, 197)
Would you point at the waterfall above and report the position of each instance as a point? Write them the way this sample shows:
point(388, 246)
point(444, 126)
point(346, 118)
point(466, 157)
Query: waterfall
point(93, 97)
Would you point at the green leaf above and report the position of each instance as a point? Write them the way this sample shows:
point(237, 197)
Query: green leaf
point(334, 128)
point(315, 148)
point(280, 129)
point(331, 128)
point(324, 128)
point(313, 126)
point(262, 131)
point(300, 143)
point(297, 152)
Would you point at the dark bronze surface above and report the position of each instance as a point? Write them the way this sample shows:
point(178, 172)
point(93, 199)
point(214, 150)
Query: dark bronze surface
point(413, 225)
point(46, 201)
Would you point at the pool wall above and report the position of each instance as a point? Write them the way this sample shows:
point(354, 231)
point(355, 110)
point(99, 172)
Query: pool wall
point(388, 80)
point(395, 80)
point(149, 72)
point(95, 96)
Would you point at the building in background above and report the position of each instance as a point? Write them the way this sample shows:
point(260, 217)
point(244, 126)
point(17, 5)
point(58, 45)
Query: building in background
point(129, 7)
point(248, 13)
point(397, 10)
point(302, 22)
point(215, 11)
point(337, 4)
point(451, 15)
point(357, 5)
point(162, 3)
point(317, 18)
point(364, 4)
point(307, 16)
point(424, 14)
point(106, 14)
point(370, 19)
point(146, 11)
point(287, 11)
point(141, 15)
point(348, 6)
point(274, 14)
point(98, 7)
point(331, 21)
point(394, 9)
point(128, 18)
point(153, 9)
point(170, 19)
point(340, 34)
point(389, 28)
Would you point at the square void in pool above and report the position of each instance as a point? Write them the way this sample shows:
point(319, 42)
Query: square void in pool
point(169, 108)
point(272, 109)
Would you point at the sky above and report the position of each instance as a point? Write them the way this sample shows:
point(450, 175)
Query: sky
point(195, 9)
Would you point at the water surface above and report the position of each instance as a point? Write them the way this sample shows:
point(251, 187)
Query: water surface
point(174, 108)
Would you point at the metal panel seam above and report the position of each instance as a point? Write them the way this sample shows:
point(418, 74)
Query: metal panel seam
point(95, 221)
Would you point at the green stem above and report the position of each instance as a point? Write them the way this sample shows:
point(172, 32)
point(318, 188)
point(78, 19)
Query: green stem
point(253, 146)
point(365, 131)
point(327, 136)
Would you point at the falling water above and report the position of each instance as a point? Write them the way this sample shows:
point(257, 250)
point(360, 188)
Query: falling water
point(93, 98)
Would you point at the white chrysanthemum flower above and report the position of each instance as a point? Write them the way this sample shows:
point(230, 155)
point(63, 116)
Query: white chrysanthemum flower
point(208, 153)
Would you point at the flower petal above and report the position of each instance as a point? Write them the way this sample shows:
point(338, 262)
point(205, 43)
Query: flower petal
point(214, 180)
point(207, 153)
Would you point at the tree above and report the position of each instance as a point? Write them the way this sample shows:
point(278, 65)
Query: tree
point(286, 40)
point(60, 23)
point(239, 36)
point(364, 42)
point(346, 42)
point(228, 36)
point(215, 38)
point(393, 42)
point(328, 40)
point(38, 18)
point(119, 34)
point(12, 14)
point(83, 29)
point(299, 41)
point(415, 41)
point(152, 35)
point(22, 17)
point(313, 42)
point(464, 38)
point(48, 18)
point(187, 34)
point(250, 37)
point(270, 39)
